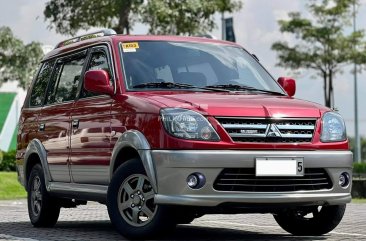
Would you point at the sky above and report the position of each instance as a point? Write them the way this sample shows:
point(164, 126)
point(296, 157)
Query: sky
point(256, 29)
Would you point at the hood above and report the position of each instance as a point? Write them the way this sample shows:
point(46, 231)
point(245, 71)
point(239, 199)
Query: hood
point(229, 104)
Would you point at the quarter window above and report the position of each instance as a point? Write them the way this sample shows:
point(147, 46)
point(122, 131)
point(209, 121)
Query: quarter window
point(40, 85)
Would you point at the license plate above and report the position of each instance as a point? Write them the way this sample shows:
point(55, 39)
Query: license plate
point(279, 167)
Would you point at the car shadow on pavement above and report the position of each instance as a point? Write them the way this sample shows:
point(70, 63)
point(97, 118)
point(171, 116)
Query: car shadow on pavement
point(103, 230)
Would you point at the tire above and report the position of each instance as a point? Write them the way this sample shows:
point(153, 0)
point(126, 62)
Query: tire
point(130, 203)
point(322, 221)
point(43, 210)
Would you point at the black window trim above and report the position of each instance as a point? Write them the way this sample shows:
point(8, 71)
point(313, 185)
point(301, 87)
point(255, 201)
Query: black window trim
point(61, 60)
point(28, 100)
point(98, 48)
point(62, 56)
point(124, 83)
point(30, 89)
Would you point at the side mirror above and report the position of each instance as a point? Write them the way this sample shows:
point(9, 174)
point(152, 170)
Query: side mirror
point(288, 84)
point(97, 81)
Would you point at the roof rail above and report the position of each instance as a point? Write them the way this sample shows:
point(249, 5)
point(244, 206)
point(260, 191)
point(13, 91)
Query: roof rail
point(100, 33)
point(205, 35)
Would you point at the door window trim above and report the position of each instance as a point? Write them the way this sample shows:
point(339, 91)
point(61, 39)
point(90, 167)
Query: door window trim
point(62, 60)
point(107, 50)
point(34, 81)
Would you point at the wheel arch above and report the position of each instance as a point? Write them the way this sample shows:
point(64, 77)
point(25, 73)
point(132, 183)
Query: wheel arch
point(130, 144)
point(36, 153)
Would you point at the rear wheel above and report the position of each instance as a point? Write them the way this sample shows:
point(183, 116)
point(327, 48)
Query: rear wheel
point(130, 202)
point(43, 210)
point(312, 221)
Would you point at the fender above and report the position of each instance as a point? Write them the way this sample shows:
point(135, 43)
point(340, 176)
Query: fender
point(137, 141)
point(36, 146)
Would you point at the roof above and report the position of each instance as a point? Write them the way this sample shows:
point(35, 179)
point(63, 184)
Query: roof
point(6, 100)
point(128, 38)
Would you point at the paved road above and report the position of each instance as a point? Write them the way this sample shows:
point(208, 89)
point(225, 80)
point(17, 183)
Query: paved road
point(91, 223)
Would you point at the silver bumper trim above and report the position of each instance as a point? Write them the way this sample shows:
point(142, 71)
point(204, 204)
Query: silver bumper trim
point(257, 198)
point(173, 167)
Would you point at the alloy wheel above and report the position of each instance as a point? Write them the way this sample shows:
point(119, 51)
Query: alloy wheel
point(136, 200)
point(36, 196)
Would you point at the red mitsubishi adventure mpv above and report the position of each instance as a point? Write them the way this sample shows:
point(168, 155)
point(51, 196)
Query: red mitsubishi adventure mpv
point(165, 129)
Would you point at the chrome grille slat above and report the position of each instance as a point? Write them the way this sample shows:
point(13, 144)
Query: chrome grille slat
point(247, 135)
point(233, 126)
point(297, 135)
point(293, 127)
point(256, 130)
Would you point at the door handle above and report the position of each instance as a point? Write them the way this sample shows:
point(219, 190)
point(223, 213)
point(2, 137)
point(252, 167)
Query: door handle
point(75, 123)
point(41, 127)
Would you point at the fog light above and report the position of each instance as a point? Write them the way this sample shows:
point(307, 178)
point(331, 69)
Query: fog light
point(192, 180)
point(196, 180)
point(344, 179)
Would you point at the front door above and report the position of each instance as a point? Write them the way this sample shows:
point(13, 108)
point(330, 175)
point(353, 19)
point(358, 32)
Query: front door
point(91, 128)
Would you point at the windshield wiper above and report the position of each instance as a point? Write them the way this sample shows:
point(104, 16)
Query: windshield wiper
point(243, 87)
point(171, 85)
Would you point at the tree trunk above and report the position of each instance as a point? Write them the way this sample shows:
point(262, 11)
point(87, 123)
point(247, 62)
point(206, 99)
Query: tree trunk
point(331, 94)
point(124, 13)
point(326, 86)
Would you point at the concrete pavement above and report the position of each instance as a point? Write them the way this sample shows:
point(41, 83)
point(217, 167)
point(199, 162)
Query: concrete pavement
point(91, 222)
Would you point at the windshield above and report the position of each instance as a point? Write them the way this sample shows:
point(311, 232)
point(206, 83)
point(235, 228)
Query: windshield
point(149, 64)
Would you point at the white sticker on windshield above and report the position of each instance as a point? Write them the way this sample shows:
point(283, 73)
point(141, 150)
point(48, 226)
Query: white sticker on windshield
point(130, 47)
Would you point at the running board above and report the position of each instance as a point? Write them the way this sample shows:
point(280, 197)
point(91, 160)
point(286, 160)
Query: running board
point(77, 191)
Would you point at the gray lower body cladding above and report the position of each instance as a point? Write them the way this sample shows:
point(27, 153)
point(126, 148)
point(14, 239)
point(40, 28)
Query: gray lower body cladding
point(173, 166)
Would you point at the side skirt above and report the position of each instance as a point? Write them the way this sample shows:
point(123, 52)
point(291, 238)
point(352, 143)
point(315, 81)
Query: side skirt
point(87, 192)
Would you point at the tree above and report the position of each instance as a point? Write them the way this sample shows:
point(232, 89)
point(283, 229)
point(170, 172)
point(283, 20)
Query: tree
point(322, 44)
point(184, 17)
point(163, 16)
point(18, 61)
point(69, 16)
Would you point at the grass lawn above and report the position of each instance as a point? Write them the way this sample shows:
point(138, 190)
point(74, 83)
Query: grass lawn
point(358, 200)
point(10, 188)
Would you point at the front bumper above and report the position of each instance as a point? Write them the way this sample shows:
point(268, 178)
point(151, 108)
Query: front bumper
point(173, 167)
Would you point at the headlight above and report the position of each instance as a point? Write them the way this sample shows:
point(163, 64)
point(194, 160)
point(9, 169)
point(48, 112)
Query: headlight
point(333, 128)
point(187, 124)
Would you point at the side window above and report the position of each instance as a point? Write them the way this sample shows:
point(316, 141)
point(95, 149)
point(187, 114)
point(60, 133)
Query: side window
point(98, 60)
point(40, 85)
point(50, 97)
point(65, 81)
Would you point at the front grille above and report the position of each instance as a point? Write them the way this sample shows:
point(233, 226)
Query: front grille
point(269, 130)
point(245, 180)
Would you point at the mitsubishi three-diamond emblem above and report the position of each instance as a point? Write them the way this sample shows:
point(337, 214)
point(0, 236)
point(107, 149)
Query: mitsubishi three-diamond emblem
point(273, 131)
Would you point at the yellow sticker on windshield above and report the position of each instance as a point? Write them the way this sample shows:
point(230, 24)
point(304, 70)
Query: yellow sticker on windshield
point(130, 47)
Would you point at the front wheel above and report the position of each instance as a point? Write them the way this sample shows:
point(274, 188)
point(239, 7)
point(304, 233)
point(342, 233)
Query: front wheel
point(312, 221)
point(130, 203)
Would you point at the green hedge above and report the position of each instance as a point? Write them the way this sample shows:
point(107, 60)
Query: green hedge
point(359, 168)
point(7, 162)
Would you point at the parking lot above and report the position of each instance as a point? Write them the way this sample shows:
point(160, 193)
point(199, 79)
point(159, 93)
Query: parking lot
point(91, 222)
